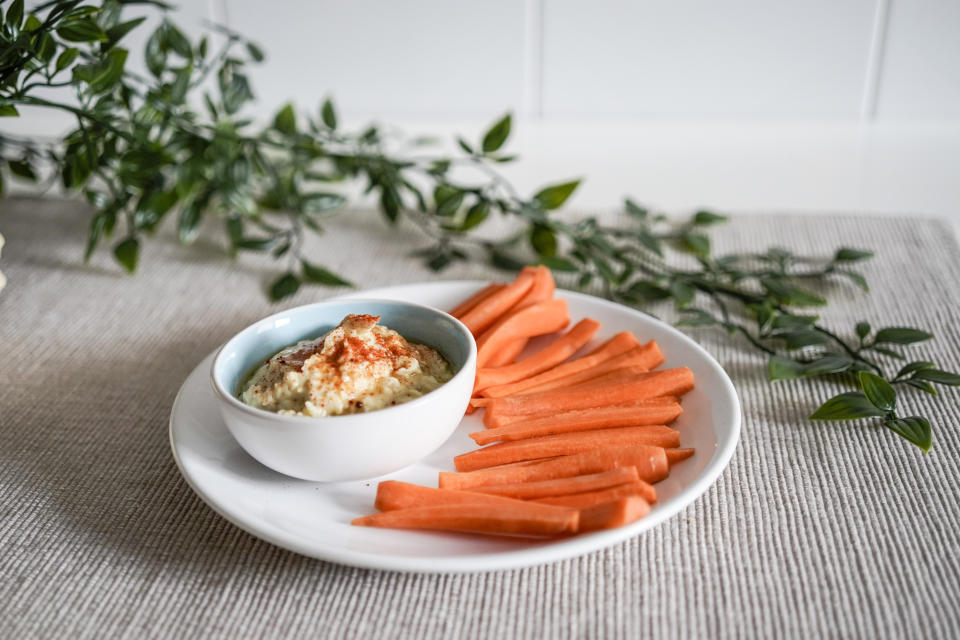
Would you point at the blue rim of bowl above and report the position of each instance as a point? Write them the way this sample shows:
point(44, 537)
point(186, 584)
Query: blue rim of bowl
point(223, 394)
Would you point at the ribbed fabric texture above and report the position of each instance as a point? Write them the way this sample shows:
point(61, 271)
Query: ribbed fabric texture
point(814, 530)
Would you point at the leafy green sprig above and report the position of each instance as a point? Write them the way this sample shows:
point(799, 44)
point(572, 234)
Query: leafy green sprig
point(176, 142)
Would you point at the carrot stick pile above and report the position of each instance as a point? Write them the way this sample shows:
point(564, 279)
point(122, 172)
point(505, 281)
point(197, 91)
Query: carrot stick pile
point(572, 444)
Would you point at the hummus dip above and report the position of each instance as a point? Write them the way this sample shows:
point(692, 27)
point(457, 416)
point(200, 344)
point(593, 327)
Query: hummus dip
point(357, 367)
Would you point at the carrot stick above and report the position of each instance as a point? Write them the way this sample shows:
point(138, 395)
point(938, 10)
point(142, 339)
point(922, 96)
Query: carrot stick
point(583, 500)
point(495, 418)
point(537, 319)
point(644, 357)
point(610, 515)
point(678, 455)
point(596, 394)
point(542, 289)
point(565, 444)
point(649, 412)
point(651, 464)
point(507, 355)
point(487, 312)
point(548, 357)
point(476, 299)
point(394, 494)
point(563, 486)
point(517, 519)
point(623, 341)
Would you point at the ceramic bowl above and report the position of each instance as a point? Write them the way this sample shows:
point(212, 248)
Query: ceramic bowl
point(354, 446)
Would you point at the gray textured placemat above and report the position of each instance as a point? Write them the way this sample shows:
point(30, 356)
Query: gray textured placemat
point(814, 530)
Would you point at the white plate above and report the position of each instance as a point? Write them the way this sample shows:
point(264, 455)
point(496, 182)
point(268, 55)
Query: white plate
point(314, 518)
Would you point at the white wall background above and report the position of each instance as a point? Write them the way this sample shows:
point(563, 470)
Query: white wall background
point(827, 105)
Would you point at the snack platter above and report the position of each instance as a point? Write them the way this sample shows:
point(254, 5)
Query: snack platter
point(315, 518)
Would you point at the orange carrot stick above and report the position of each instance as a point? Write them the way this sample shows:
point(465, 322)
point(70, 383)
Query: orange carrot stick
point(596, 394)
point(495, 418)
point(610, 515)
point(514, 519)
point(623, 341)
point(644, 358)
point(565, 444)
point(476, 299)
point(651, 464)
point(507, 355)
point(537, 319)
point(487, 312)
point(548, 357)
point(394, 494)
point(678, 455)
point(542, 289)
point(563, 486)
point(649, 412)
point(582, 500)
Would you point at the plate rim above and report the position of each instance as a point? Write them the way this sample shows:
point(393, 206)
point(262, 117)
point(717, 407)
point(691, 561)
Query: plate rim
point(502, 560)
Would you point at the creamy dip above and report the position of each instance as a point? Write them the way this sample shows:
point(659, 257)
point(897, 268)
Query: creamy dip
point(357, 367)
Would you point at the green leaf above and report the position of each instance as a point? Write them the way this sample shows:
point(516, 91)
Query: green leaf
point(846, 254)
point(284, 286)
point(496, 135)
point(780, 368)
point(81, 30)
point(319, 275)
point(901, 335)
point(793, 321)
point(847, 406)
point(696, 243)
point(923, 386)
point(181, 84)
point(650, 241)
point(645, 290)
point(448, 199)
point(255, 52)
point(389, 204)
point(476, 215)
point(156, 52)
point(504, 261)
point(863, 330)
point(554, 196)
point(66, 58)
point(682, 293)
point(256, 244)
point(856, 279)
point(15, 13)
point(465, 145)
point(328, 114)
point(888, 352)
point(286, 120)
point(697, 318)
point(321, 202)
point(938, 376)
point(98, 226)
point(800, 338)
point(635, 210)
point(914, 429)
point(706, 218)
point(543, 240)
point(791, 295)
point(439, 261)
point(190, 216)
point(8, 110)
point(915, 366)
point(178, 41)
point(558, 264)
point(22, 169)
point(127, 252)
point(117, 32)
point(878, 391)
point(830, 363)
